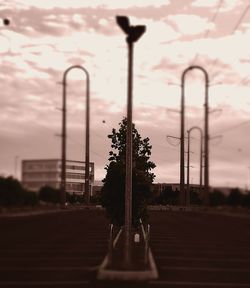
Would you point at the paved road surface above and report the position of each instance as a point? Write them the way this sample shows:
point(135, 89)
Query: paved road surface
point(59, 249)
point(191, 249)
point(195, 249)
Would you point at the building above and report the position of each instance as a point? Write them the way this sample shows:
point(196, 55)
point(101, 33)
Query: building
point(159, 187)
point(47, 172)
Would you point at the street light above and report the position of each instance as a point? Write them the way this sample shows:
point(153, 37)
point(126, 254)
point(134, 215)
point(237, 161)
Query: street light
point(63, 172)
point(206, 136)
point(16, 166)
point(133, 34)
point(188, 161)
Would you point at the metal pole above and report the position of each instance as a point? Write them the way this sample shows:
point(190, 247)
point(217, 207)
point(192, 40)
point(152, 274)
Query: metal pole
point(201, 154)
point(182, 147)
point(188, 169)
point(87, 188)
point(110, 252)
point(64, 136)
point(16, 164)
point(206, 146)
point(129, 153)
point(63, 160)
point(201, 163)
point(133, 34)
point(206, 132)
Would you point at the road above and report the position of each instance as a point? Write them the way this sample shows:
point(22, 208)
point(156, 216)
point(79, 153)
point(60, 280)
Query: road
point(60, 249)
point(64, 249)
point(197, 249)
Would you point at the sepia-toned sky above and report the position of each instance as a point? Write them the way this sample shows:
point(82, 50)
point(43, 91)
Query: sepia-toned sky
point(46, 37)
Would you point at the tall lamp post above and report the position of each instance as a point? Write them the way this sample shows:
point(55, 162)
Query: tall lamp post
point(206, 136)
point(64, 135)
point(16, 166)
point(188, 160)
point(133, 34)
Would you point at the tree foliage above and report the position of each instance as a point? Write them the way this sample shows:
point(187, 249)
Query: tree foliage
point(49, 194)
point(113, 191)
point(235, 197)
point(217, 198)
point(12, 193)
point(168, 196)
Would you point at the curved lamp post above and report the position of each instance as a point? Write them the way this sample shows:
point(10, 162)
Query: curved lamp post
point(63, 174)
point(133, 34)
point(188, 160)
point(206, 137)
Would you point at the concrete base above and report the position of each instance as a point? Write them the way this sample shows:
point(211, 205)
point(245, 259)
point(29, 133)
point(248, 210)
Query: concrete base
point(117, 272)
point(150, 273)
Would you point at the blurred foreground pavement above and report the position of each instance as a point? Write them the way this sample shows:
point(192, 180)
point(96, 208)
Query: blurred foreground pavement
point(64, 249)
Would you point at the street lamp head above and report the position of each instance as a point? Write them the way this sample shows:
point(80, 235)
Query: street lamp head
point(123, 23)
point(6, 21)
point(133, 32)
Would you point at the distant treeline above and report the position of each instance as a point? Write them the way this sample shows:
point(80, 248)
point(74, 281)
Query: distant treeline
point(216, 198)
point(13, 194)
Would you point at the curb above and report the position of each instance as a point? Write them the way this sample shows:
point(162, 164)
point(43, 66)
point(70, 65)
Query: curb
point(130, 275)
point(150, 273)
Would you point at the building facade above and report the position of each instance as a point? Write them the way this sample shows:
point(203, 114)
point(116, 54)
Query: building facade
point(47, 172)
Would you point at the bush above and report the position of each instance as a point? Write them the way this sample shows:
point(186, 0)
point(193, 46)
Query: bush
point(195, 197)
point(12, 193)
point(217, 198)
point(168, 196)
point(29, 198)
point(113, 190)
point(74, 198)
point(235, 197)
point(246, 200)
point(49, 194)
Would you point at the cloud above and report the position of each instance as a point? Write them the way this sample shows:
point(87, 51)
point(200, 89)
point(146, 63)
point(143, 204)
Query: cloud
point(190, 24)
point(227, 5)
point(205, 3)
point(166, 64)
point(110, 4)
point(46, 37)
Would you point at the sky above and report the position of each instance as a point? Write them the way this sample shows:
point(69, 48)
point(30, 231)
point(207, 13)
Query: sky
point(46, 37)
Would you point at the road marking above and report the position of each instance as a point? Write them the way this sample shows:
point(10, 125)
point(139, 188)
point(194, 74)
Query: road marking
point(73, 268)
point(42, 257)
point(198, 284)
point(214, 253)
point(202, 259)
point(205, 269)
point(42, 283)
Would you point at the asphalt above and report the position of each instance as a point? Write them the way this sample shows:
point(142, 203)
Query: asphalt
point(60, 249)
point(64, 249)
point(199, 249)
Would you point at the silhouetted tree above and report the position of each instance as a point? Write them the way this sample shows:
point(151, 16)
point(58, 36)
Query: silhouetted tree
point(246, 200)
point(29, 198)
point(113, 191)
point(74, 198)
point(217, 198)
point(168, 196)
point(12, 193)
point(194, 197)
point(235, 197)
point(49, 194)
